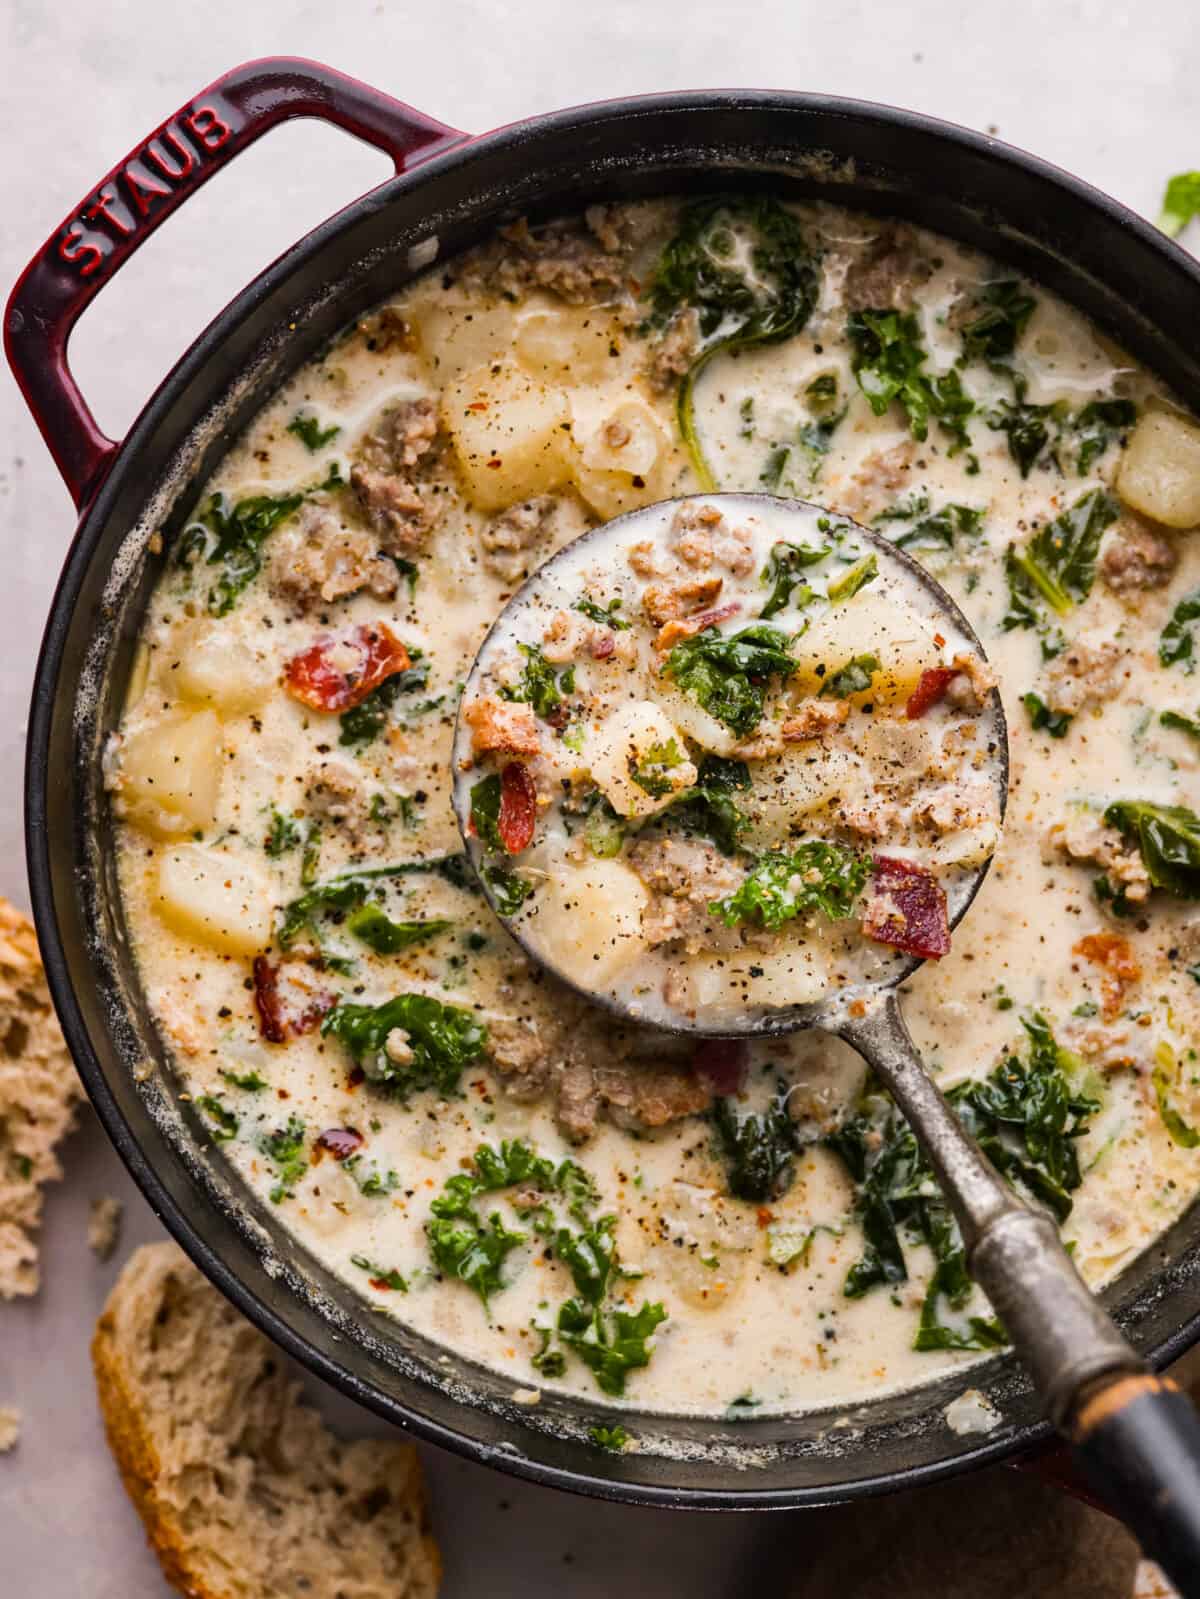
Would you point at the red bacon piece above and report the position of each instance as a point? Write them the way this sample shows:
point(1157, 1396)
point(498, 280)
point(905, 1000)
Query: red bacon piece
point(324, 678)
point(341, 1142)
point(930, 690)
point(518, 807)
point(283, 1016)
point(907, 909)
point(671, 632)
point(721, 1064)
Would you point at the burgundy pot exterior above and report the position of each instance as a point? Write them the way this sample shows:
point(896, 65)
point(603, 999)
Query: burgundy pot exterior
point(449, 192)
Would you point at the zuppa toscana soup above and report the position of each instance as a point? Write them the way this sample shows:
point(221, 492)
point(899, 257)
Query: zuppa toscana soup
point(614, 1210)
point(765, 690)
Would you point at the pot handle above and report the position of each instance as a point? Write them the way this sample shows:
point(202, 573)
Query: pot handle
point(100, 235)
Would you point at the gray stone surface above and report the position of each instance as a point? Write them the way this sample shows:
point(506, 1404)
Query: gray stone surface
point(1107, 90)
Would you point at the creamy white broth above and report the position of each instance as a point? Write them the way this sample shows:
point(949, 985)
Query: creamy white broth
point(737, 1325)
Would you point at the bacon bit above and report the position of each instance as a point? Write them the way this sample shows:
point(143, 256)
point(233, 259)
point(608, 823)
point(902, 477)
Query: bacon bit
point(603, 647)
point(381, 1283)
point(670, 635)
point(907, 909)
point(518, 807)
point(930, 690)
point(1114, 953)
point(277, 1020)
point(356, 1079)
point(341, 1142)
point(721, 1064)
point(313, 679)
point(763, 1216)
point(668, 602)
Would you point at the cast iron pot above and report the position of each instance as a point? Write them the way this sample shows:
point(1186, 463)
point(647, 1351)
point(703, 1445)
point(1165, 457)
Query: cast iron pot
point(454, 189)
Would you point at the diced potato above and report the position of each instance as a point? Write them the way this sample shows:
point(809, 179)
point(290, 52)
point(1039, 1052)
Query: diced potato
point(572, 345)
point(170, 774)
point(702, 1243)
point(897, 751)
point(794, 973)
point(1160, 469)
point(635, 736)
point(590, 917)
point(871, 623)
point(511, 434)
point(210, 896)
point(970, 846)
point(622, 462)
point(458, 339)
point(209, 668)
point(789, 787)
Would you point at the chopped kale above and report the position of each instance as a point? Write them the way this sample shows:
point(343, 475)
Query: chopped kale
point(285, 1149)
point(744, 267)
point(650, 771)
point(1114, 899)
point(855, 677)
point(613, 1345)
point(372, 1182)
point(1165, 1076)
point(508, 889)
point(604, 830)
point(1099, 424)
point(363, 723)
point(606, 615)
point(1182, 724)
point(1026, 426)
point(340, 895)
point(783, 884)
point(709, 807)
point(612, 1438)
point(231, 537)
point(888, 359)
point(381, 1276)
point(1058, 566)
point(225, 1123)
point(1181, 202)
point(310, 432)
point(1168, 839)
point(936, 530)
point(285, 834)
point(539, 685)
point(850, 582)
point(1044, 720)
point(782, 575)
point(728, 674)
point(376, 929)
point(1177, 642)
point(248, 1082)
point(759, 1148)
point(992, 335)
point(485, 812)
point(549, 1361)
point(442, 1040)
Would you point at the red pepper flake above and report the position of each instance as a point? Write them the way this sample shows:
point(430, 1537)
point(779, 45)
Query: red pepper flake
point(763, 1216)
point(721, 1064)
point(341, 1142)
point(930, 690)
point(907, 909)
point(518, 807)
point(280, 1017)
point(312, 677)
point(1114, 953)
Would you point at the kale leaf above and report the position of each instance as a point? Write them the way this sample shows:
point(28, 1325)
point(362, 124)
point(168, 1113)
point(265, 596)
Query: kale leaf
point(442, 1041)
point(855, 677)
point(847, 584)
point(783, 884)
point(310, 432)
point(611, 1346)
point(1182, 724)
point(782, 575)
point(285, 833)
point(539, 685)
point(1166, 1072)
point(743, 265)
point(1099, 423)
point(888, 359)
point(1044, 720)
point(381, 1276)
point(233, 536)
point(613, 1438)
point(1177, 642)
point(1168, 839)
point(1181, 202)
point(248, 1082)
point(651, 768)
point(1026, 426)
point(1058, 566)
point(728, 674)
point(759, 1148)
point(341, 895)
point(992, 335)
point(285, 1149)
point(508, 889)
point(606, 615)
point(375, 928)
point(709, 808)
point(931, 530)
point(225, 1123)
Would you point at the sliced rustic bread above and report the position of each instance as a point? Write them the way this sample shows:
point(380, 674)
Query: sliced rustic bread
point(39, 1092)
point(245, 1494)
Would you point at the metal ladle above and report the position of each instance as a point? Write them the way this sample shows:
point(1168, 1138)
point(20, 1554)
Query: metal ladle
point(1136, 1436)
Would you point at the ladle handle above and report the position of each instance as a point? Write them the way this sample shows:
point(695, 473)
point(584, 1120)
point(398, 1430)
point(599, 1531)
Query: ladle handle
point(1136, 1438)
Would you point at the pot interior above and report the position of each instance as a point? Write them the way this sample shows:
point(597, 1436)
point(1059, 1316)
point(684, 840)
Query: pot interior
point(1136, 286)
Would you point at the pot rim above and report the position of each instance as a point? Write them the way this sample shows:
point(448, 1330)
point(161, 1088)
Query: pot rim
point(1021, 1439)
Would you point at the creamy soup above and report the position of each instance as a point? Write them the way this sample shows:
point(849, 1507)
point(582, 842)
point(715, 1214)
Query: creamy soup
point(764, 680)
point(637, 1216)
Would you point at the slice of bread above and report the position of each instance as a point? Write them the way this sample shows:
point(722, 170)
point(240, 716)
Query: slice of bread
point(39, 1093)
point(244, 1492)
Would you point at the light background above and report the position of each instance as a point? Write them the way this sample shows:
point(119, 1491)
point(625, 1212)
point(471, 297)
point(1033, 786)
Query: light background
point(1110, 91)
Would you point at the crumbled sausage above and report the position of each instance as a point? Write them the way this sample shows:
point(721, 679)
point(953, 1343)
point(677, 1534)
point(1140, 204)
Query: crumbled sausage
point(402, 439)
point(1083, 836)
point(508, 539)
point(886, 273)
point(388, 329)
point(394, 509)
point(951, 807)
point(700, 538)
point(812, 718)
point(501, 725)
point(562, 258)
point(316, 560)
point(1137, 556)
point(667, 602)
point(873, 487)
point(683, 876)
point(652, 1096)
point(972, 683)
point(673, 353)
point(1086, 674)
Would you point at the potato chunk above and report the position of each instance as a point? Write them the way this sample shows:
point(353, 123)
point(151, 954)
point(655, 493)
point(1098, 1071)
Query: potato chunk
point(787, 789)
point(638, 738)
point(794, 973)
point(1160, 470)
point(622, 462)
point(591, 917)
point(210, 896)
point(568, 344)
point(869, 624)
point(209, 668)
point(455, 339)
point(511, 434)
point(170, 774)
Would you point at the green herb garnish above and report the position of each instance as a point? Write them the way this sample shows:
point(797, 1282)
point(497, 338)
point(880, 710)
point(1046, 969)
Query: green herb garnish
point(784, 884)
point(310, 432)
point(782, 575)
point(381, 1276)
point(1181, 202)
point(442, 1040)
point(855, 677)
point(225, 1123)
point(285, 1149)
point(606, 615)
point(539, 685)
point(613, 1438)
point(1044, 720)
point(728, 674)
